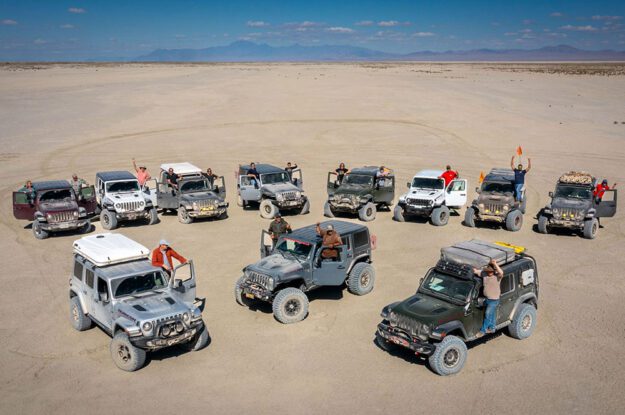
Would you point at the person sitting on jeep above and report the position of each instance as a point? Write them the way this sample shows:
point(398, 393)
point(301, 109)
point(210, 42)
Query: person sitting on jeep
point(252, 173)
point(210, 176)
point(491, 278)
point(142, 173)
point(381, 175)
point(289, 169)
point(448, 175)
point(172, 180)
point(29, 190)
point(600, 190)
point(77, 184)
point(278, 227)
point(519, 177)
point(162, 256)
point(331, 240)
point(340, 173)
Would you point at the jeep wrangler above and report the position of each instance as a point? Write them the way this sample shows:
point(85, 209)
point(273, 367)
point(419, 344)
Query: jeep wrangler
point(360, 192)
point(447, 310)
point(428, 197)
point(275, 191)
point(573, 206)
point(197, 196)
point(114, 285)
point(295, 266)
point(54, 207)
point(120, 198)
point(496, 202)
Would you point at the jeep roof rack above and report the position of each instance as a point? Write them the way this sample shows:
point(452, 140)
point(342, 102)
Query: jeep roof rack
point(577, 177)
point(478, 254)
point(181, 168)
point(109, 248)
point(309, 233)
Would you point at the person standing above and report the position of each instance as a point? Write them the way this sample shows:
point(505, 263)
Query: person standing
point(29, 190)
point(491, 278)
point(330, 241)
point(252, 173)
point(448, 175)
point(142, 173)
point(600, 190)
point(340, 173)
point(163, 255)
point(519, 178)
point(289, 169)
point(277, 227)
point(172, 180)
point(77, 185)
point(210, 176)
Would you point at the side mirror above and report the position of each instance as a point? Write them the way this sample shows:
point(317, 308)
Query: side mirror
point(103, 297)
point(477, 190)
point(408, 185)
point(481, 301)
point(177, 283)
point(421, 281)
point(550, 194)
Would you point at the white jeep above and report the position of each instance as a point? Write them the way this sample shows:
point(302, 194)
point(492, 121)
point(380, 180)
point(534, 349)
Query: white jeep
point(428, 196)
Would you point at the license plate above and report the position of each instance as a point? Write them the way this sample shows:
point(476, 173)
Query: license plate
point(292, 203)
point(132, 216)
point(398, 340)
point(64, 225)
point(208, 209)
point(248, 295)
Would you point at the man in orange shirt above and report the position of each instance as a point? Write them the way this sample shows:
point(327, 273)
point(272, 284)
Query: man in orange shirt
point(162, 256)
point(142, 173)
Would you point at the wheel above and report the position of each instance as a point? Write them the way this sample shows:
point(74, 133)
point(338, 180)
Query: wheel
point(108, 219)
point(38, 231)
point(384, 344)
point(361, 279)
point(126, 356)
point(290, 306)
point(514, 221)
point(543, 224)
point(523, 322)
point(306, 208)
point(367, 212)
point(240, 202)
point(398, 214)
point(223, 215)
point(85, 228)
point(238, 292)
point(469, 217)
point(199, 341)
point(449, 357)
point(80, 321)
point(153, 217)
point(267, 209)
point(183, 216)
point(440, 216)
point(327, 210)
point(590, 228)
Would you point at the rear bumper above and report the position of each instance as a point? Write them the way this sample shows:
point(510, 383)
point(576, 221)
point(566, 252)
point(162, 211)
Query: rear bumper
point(63, 226)
point(400, 338)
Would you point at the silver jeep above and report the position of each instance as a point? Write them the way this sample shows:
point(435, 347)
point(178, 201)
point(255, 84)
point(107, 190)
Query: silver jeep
point(115, 285)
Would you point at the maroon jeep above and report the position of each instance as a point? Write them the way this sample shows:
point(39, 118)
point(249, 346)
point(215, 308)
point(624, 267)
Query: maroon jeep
point(54, 206)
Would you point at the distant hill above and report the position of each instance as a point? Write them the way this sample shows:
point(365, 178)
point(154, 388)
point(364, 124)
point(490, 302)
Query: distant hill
point(244, 51)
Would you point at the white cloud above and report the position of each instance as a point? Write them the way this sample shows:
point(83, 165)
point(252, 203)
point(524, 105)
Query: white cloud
point(556, 14)
point(77, 10)
point(423, 34)
point(527, 21)
point(66, 26)
point(557, 34)
point(364, 23)
point(257, 23)
point(388, 23)
point(598, 17)
point(309, 24)
point(40, 41)
point(526, 31)
point(510, 34)
point(587, 28)
point(339, 29)
point(8, 22)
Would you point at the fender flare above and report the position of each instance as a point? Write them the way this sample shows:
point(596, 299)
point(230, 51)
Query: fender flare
point(451, 326)
point(521, 300)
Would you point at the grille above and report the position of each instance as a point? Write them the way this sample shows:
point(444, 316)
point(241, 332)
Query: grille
point(169, 329)
point(289, 195)
point(259, 279)
point(567, 213)
point(129, 206)
point(405, 323)
point(493, 208)
point(61, 216)
point(419, 202)
point(206, 203)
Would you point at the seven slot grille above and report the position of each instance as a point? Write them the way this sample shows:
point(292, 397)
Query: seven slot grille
point(61, 216)
point(257, 278)
point(206, 203)
point(566, 213)
point(493, 208)
point(289, 195)
point(405, 323)
point(419, 202)
point(130, 206)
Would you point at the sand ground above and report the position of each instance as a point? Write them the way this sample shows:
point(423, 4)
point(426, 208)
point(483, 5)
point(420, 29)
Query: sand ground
point(63, 119)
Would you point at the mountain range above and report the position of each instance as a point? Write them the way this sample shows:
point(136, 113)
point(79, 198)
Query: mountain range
point(246, 51)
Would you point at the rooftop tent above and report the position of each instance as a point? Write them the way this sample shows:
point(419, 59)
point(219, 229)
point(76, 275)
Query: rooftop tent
point(109, 248)
point(181, 168)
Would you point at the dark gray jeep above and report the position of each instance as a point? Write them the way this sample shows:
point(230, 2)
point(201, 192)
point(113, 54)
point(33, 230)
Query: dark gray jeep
point(286, 272)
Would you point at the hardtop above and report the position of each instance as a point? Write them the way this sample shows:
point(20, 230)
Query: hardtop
point(431, 174)
point(51, 185)
point(309, 233)
point(109, 248)
point(261, 168)
point(109, 176)
point(182, 169)
point(368, 170)
point(109, 272)
point(500, 175)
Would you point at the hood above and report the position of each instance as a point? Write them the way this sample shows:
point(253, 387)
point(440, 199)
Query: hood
point(153, 306)
point(570, 203)
point(198, 196)
point(277, 266)
point(126, 197)
point(428, 310)
point(349, 189)
point(280, 187)
point(57, 206)
point(503, 198)
point(428, 194)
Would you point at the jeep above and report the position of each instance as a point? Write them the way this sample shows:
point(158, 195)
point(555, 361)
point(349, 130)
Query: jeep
point(55, 207)
point(496, 202)
point(197, 197)
point(573, 206)
point(447, 310)
point(428, 197)
point(120, 198)
point(275, 191)
point(360, 192)
point(115, 286)
point(295, 266)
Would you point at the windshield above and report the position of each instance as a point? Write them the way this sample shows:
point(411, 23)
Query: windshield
point(427, 183)
point(129, 186)
point(448, 286)
point(194, 186)
point(50, 195)
point(358, 179)
point(137, 284)
point(497, 187)
point(295, 247)
point(273, 178)
point(576, 192)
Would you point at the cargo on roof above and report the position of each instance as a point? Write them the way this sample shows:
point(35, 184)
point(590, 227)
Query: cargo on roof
point(110, 248)
point(577, 177)
point(478, 253)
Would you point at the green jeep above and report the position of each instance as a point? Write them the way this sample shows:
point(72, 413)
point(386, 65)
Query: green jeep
point(447, 310)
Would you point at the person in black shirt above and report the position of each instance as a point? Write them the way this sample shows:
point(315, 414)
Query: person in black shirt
point(211, 177)
point(289, 169)
point(340, 173)
point(252, 173)
point(171, 179)
point(519, 178)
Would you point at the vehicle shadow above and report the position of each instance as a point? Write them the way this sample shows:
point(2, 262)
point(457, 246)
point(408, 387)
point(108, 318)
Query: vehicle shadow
point(173, 351)
point(61, 234)
point(321, 293)
point(558, 231)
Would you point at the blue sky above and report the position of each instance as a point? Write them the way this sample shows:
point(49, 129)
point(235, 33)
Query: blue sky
point(85, 29)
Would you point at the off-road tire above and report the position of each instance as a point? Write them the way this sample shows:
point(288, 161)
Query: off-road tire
point(449, 357)
point(38, 232)
point(514, 221)
point(440, 216)
point(367, 212)
point(398, 214)
point(240, 202)
point(543, 224)
point(267, 209)
point(183, 216)
point(469, 218)
point(384, 344)
point(327, 210)
point(238, 292)
point(290, 306)
point(108, 219)
point(306, 208)
point(523, 322)
point(199, 341)
point(223, 215)
point(126, 356)
point(153, 216)
point(361, 279)
point(590, 228)
point(77, 317)
point(86, 228)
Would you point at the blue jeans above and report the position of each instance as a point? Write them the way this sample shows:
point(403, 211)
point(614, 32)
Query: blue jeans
point(490, 316)
point(518, 190)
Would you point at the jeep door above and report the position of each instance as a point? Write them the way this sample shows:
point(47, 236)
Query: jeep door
point(297, 178)
point(219, 186)
point(183, 282)
point(508, 294)
point(166, 197)
point(384, 190)
point(332, 184)
point(266, 243)
point(97, 297)
point(22, 208)
point(607, 207)
point(150, 190)
point(247, 190)
point(456, 193)
point(88, 199)
point(328, 272)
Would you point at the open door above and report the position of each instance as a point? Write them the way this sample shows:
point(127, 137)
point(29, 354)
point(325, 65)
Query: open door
point(150, 190)
point(22, 207)
point(249, 191)
point(456, 193)
point(219, 186)
point(328, 272)
point(183, 281)
point(333, 183)
point(87, 199)
point(607, 207)
point(266, 244)
point(297, 178)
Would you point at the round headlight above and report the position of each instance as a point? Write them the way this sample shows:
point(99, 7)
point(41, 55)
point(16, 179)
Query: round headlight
point(481, 205)
point(48, 216)
point(75, 213)
point(185, 316)
point(179, 327)
point(147, 326)
point(142, 203)
point(117, 205)
point(194, 205)
point(166, 331)
point(506, 207)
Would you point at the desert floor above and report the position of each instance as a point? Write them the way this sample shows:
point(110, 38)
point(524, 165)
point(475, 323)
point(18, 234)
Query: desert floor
point(60, 119)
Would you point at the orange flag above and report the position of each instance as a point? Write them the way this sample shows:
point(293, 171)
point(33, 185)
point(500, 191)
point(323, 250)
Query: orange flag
point(481, 179)
point(519, 151)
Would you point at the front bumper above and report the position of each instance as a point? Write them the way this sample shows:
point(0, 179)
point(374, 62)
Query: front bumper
point(290, 204)
point(158, 342)
point(564, 223)
point(417, 210)
point(63, 226)
point(491, 218)
point(256, 291)
point(344, 207)
point(133, 215)
point(399, 337)
point(207, 212)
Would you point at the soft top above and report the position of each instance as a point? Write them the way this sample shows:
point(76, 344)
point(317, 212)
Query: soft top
point(576, 177)
point(261, 168)
point(308, 233)
point(181, 168)
point(369, 170)
point(500, 175)
point(109, 176)
point(110, 248)
point(478, 253)
point(431, 174)
point(51, 185)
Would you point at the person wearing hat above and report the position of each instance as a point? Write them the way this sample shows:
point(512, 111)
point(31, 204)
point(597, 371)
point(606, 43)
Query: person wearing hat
point(163, 254)
point(491, 278)
point(331, 241)
point(77, 185)
point(277, 227)
point(600, 190)
point(448, 175)
point(142, 173)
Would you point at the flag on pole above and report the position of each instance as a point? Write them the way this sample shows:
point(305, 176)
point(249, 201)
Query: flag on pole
point(519, 151)
point(481, 179)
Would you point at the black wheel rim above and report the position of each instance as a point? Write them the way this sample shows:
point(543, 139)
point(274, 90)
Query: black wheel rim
point(451, 357)
point(267, 209)
point(443, 216)
point(106, 219)
point(365, 279)
point(292, 307)
point(124, 353)
point(517, 221)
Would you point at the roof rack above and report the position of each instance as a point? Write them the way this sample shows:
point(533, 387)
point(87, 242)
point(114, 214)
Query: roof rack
point(476, 253)
point(109, 248)
point(576, 177)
